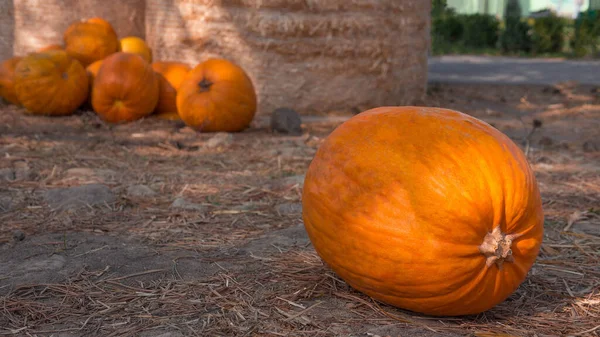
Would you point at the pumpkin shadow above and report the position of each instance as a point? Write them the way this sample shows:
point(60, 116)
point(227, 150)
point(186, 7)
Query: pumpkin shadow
point(556, 285)
point(535, 305)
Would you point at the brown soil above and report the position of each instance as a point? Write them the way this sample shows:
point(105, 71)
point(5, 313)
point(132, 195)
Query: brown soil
point(203, 236)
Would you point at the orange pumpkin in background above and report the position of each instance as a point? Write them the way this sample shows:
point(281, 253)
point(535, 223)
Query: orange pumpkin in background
point(136, 45)
point(173, 71)
point(92, 71)
point(170, 74)
point(166, 107)
point(427, 209)
point(51, 83)
point(100, 21)
point(50, 47)
point(217, 95)
point(90, 40)
point(125, 88)
point(7, 79)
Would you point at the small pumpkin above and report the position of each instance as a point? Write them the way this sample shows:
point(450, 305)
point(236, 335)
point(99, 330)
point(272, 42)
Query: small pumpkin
point(51, 83)
point(136, 45)
point(166, 107)
point(170, 74)
point(217, 95)
point(90, 40)
point(173, 71)
point(427, 209)
point(92, 71)
point(125, 88)
point(50, 47)
point(7, 79)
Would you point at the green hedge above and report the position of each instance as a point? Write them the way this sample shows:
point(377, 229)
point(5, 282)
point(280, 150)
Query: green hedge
point(457, 31)
point(548, 35)
point(586, 41)
point(515, 37)
point(476, 33)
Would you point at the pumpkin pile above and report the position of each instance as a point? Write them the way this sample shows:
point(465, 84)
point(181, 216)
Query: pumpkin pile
point(118, 79)
point(427, 209)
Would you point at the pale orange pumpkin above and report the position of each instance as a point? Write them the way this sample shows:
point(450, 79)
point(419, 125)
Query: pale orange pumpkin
point(217, 95)
point(136, 45)
point(125, 88)
point(7, 79)
point(170, 74)
point(427, 209)
point(90, 40)
point(51, 83)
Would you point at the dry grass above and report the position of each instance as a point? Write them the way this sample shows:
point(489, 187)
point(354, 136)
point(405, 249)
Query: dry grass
point(277, 291)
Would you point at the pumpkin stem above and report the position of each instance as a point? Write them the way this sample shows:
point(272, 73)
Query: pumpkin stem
point(496, 247)
point(204, 85)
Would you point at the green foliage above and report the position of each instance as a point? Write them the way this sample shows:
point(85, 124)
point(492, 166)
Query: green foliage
point(587, 34)
point(438, 8)
point(548, 35)
point(515, 37)
point(479, 33)
point(451, 31)
point(480, 30)
point(512, 11)
point(447, 28)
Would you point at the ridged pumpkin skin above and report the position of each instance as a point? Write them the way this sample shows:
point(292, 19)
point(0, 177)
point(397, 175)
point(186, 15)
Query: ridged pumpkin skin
point(7, 79)
point(217, 95)
point(90, 40)
point(407, 205)
point(51, 83)
point(170, 74)
point(125, 88)
point(136, 45)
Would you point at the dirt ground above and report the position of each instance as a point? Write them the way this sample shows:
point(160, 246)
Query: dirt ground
point(151, 229)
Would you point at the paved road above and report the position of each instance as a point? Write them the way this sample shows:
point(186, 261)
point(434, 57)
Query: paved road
point(507, 70)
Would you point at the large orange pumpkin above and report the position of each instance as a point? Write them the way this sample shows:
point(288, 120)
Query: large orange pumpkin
point(136, 45)
point(51, 83)
point(91, 40)
point(217, 95)
point(125, 88)
point(7, 77)
point(427, 209)
point(170, 74)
